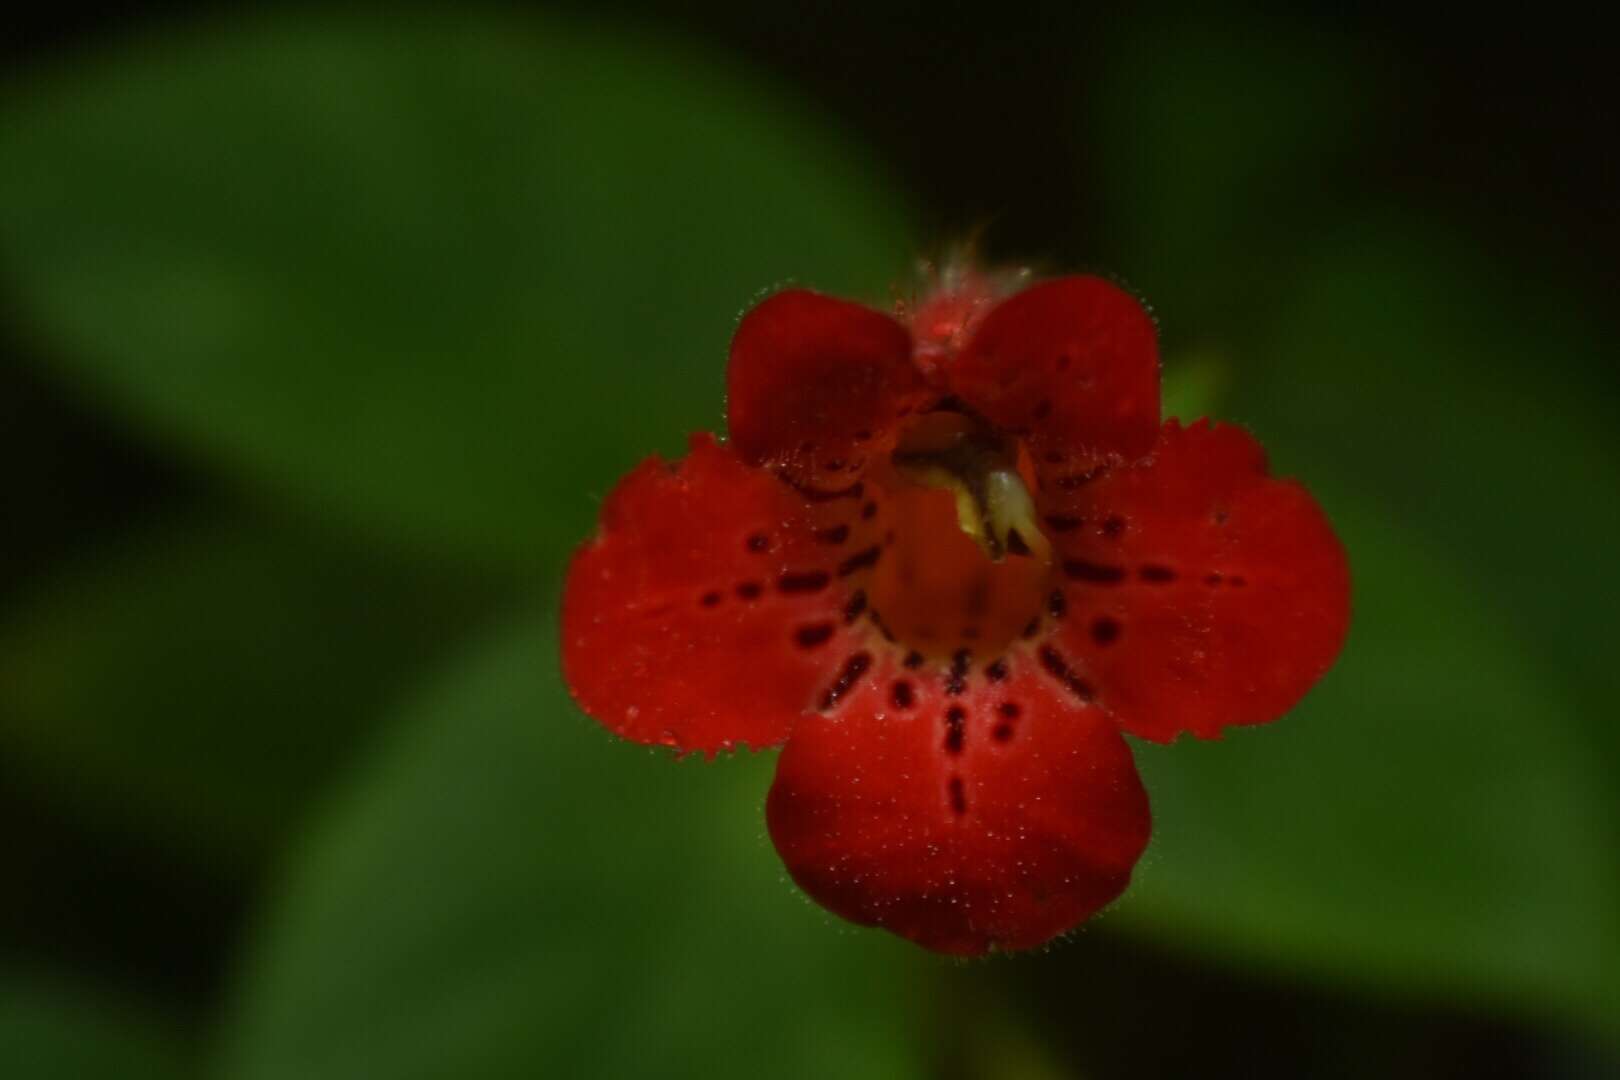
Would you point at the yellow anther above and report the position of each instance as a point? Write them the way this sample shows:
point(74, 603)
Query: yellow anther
point(951, 451)
point(1009, 517)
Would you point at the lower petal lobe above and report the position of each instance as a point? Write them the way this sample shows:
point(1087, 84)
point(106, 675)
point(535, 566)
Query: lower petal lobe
point(708, 611)
point(1200, 592)
point(966, 807)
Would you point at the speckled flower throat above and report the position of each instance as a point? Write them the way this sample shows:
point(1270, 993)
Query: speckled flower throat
point(966, 565)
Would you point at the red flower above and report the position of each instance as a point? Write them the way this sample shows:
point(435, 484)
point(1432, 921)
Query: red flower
point(947, 559)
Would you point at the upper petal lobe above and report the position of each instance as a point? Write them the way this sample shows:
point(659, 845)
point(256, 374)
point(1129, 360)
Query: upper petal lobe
point(814, 384)
point(1073, 362)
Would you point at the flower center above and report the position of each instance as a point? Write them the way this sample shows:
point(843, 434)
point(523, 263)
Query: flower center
point(968, 567)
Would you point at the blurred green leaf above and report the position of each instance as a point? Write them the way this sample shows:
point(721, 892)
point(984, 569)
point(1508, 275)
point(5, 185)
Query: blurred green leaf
point(1429, 817)
point(52, 1031)
point(1473, 404)
point(444, 273)
point(203, 680)
point(1441, 812)
point(511, 892)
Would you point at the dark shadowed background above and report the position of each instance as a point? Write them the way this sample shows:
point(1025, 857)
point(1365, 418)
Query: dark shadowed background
point(322, 335)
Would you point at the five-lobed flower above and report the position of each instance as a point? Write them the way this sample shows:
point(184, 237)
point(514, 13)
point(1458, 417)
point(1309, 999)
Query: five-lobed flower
point(947, 558)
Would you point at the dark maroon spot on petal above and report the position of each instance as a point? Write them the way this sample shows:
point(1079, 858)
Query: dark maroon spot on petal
point(959, 669)
point(1063, 522)
point(1220, 516)
point(750, 590)
point(1063, 362)
point(1015, 543)
point(821, 495)
point(1156, 574)
point(1002, 732)
point(1105, 630)
point(1043, 410)
point(958, 795)
point(1077, 480)
point(997, 671)
point(856, 605)
point(710, 599)
point(1238, 581)
point(759, 542)
point(1057, 604)
point(913, 660)
point(803, 581)
point(883, 627)
point(862, 436)
point(852, 670)
point(1113, 526)
point(861, 560)
point(834, 465)
point(955, 729)
point(869, 511)
point(808, 637)
point(1009, 709)
point(1032, 627)
point(900, 693)
point(835, 535)
point(1212, 579)
point(1093, 573)
point(1058, 668)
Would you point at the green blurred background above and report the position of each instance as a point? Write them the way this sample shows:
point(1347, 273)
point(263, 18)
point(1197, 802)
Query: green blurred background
point(322, 336)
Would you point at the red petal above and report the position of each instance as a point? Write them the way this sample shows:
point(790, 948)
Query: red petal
point(996, 816)
point(1201, 592)
point(1074, 362)
point(814, 383)
point(708, 611)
